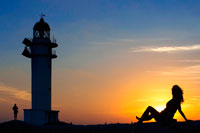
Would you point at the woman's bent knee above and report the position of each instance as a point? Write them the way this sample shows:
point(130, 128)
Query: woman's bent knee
point(149, 107)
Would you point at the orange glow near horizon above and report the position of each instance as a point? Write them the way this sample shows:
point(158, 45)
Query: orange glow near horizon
point(121, 106)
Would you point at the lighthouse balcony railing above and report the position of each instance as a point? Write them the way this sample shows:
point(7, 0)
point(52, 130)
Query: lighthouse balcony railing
point(53, 54)
point(53, 42)
point(27, 41)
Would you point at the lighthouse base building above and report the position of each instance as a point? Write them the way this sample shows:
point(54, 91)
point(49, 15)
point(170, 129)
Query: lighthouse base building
point(39, 50)
point(40, 117)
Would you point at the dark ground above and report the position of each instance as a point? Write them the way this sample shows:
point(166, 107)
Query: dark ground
point(21, 127)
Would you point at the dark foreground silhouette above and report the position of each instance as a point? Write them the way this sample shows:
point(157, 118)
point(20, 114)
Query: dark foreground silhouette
point(15, 110)
point(166, 116)
point(16, 126)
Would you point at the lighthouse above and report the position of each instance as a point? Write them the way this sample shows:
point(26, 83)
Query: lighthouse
point(40, 50)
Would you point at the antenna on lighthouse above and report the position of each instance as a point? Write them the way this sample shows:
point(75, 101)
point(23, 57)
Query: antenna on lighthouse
point(42, 15)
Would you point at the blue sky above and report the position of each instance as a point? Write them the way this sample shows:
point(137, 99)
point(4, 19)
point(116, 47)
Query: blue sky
point(104, 41)
point(106, 19)
point(76, 22)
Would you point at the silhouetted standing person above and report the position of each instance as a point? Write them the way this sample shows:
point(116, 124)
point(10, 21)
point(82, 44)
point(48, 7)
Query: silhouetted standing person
point(15, 109)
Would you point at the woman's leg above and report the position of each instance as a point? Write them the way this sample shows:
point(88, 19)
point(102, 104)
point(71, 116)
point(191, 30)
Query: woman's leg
point(148, 114)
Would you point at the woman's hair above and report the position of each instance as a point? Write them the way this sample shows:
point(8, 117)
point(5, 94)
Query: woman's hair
point(177, 93)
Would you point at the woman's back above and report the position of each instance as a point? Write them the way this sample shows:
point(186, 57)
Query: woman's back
point(170, 110)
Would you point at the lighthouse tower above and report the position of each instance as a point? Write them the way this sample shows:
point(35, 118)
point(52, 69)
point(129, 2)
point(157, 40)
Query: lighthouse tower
point(39, 50)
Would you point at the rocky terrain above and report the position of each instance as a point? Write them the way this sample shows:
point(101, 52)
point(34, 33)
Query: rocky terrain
point(61, 127)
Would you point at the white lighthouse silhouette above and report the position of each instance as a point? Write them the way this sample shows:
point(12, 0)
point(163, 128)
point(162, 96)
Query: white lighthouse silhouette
point(39, 49)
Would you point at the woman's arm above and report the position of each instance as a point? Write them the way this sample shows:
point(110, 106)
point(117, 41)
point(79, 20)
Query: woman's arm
point(181, 112)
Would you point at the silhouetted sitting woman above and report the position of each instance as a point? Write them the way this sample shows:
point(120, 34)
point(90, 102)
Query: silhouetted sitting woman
point(166, 116)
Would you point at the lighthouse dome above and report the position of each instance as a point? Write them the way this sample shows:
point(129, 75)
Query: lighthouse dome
point(41, 29)
point(41, 25)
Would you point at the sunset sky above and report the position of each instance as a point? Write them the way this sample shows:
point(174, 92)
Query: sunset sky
point(115, 57)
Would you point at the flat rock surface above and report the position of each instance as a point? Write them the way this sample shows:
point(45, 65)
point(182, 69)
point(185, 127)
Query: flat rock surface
point(61, 127)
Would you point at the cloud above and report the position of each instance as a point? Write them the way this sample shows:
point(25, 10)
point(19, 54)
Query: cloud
point(142, 100)
point(193, 67)
point(156, 99)
point(189, 61)
point(9, 93)
point(188, 73)
point(167, 48)
point(137, 41)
